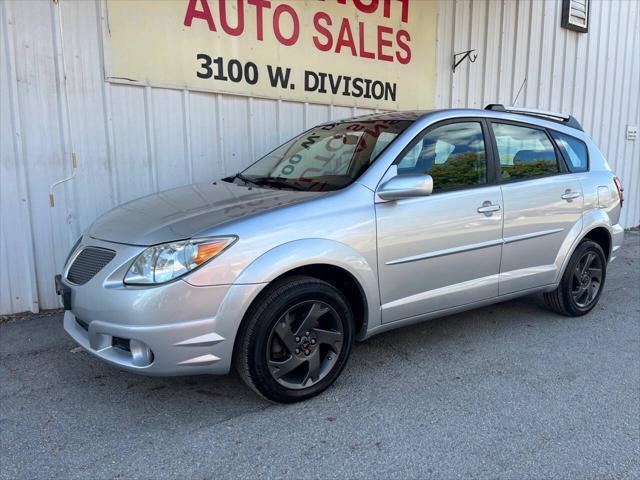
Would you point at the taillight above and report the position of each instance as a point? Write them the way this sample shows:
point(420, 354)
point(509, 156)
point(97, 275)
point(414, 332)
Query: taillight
point(616, 180)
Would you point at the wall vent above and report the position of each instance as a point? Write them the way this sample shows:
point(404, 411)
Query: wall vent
point(575, 15)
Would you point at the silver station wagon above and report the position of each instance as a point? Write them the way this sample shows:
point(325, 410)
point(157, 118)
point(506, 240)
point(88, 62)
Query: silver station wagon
point(352, 228)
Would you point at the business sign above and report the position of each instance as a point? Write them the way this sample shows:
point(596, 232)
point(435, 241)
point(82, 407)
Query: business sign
point(364, 53)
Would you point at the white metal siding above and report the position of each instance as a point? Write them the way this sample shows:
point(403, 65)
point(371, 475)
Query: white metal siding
point(595, 75)
point(132, 141)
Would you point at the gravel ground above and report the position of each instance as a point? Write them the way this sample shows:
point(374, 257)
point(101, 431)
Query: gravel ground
point(508, 391)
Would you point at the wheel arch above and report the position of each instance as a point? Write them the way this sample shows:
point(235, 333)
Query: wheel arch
point(343, 281)
point(602, 236)
point(594, 225)
point(327, 260)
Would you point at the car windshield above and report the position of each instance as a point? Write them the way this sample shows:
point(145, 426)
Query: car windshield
point(327, 157)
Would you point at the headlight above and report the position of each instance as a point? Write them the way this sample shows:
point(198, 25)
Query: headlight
point(162, 263)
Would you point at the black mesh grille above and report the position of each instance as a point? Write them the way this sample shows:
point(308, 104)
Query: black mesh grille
point(89, 262)
point(121, 343)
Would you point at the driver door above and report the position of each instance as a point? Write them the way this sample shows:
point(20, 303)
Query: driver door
point(442, 250)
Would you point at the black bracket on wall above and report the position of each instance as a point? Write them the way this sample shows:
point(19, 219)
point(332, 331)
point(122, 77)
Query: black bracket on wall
point(468, 54)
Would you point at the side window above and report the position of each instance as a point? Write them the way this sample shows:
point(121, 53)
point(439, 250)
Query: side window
point(453, 154)
point(524, 152)
point(574, 150)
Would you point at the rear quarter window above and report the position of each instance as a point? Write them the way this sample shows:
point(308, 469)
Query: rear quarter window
point(574, 151)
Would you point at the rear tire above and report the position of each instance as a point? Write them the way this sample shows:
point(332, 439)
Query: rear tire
point(295, 340)
point(582, 282)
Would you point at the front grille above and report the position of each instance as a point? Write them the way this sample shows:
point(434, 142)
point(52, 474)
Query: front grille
point(88, 263)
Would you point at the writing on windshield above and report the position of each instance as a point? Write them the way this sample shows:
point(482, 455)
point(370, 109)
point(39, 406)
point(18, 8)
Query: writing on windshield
point(327, 157)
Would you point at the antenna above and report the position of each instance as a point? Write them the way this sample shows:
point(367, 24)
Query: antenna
point(520, 90)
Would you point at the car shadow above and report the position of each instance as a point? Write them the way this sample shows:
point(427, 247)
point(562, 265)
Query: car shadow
point(184, 397)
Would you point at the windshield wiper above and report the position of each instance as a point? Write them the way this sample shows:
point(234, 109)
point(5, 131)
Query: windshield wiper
point(245, 179)
point(278, 182)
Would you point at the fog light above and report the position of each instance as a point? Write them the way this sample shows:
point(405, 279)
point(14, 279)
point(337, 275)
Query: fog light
point(141, 354)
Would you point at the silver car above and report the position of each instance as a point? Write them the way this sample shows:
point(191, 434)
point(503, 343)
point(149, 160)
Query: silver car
point(350, 229)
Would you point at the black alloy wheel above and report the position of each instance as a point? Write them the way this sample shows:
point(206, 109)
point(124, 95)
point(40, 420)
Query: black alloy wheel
point(295, 339)
point(582, 282)
point(304, 344)
point(586, 279)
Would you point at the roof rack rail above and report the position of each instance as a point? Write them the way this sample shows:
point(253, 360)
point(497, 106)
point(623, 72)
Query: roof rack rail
point(563, 118)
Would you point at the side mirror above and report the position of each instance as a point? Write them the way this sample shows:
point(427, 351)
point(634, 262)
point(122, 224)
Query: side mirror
point(406, 186)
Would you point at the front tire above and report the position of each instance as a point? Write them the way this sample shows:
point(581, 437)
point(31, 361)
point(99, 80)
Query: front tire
point(582, 282)
point(295, 340)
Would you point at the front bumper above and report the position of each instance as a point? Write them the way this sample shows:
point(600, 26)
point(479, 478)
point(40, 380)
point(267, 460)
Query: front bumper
point(171, 329)
point(183, 348)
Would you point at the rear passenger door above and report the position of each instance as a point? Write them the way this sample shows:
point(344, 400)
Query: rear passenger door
point(542, 204)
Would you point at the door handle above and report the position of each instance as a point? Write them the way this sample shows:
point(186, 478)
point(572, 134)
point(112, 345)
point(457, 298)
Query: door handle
point(569, 195)
point(488, 208)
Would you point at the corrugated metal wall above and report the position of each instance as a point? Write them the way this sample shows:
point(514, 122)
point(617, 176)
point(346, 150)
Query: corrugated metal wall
point(135, 140)
point(595, 75)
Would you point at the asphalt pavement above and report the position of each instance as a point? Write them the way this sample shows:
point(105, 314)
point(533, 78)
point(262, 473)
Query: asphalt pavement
point(509, 391)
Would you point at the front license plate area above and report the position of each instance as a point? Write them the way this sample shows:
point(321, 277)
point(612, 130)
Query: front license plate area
point(64, 292)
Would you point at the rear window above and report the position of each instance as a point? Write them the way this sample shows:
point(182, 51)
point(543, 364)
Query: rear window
point(524, 152)
point(573, 150)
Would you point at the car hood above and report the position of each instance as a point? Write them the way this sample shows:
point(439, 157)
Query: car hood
point(188, 211)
